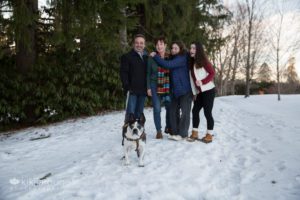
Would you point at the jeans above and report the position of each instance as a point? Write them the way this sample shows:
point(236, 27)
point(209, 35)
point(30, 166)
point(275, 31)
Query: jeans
point(180, 123)
point(134, 104)
point(156, 103)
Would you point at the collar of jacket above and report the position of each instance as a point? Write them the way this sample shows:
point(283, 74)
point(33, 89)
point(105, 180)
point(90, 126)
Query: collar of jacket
point(145, 54)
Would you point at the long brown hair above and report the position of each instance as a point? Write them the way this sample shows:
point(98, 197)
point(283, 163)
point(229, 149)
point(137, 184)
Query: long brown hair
point(181, 47)
point(200, 58)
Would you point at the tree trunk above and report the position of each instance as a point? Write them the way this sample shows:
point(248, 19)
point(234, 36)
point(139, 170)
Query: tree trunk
point(278, 74)
point(66, 17)
point(221, 75)
point(250, 9)
point(123, 31)
point(277, 59)
point(142, 19)
point(235, 65)
point(25, 15)
point(227, 77)
point(25, 34)
point(247, 92)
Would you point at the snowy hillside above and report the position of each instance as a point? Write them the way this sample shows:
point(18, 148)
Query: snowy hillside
point(255, 155)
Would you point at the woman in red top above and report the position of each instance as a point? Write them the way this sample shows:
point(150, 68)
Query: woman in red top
point(203, 87)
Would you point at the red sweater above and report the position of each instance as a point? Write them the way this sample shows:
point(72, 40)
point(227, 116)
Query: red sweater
point(211, 72)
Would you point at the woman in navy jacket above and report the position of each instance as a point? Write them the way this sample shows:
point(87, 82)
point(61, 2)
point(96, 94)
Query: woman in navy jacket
point(181, 89)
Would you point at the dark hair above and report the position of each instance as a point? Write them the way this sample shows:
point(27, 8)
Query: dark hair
point(181, 46)
point(200, 58)
point(160, 38)
point(137, 36)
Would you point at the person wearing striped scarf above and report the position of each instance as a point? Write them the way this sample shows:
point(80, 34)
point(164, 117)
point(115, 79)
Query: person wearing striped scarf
point(158, 87)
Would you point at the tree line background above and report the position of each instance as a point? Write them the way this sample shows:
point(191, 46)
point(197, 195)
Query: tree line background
point(62, 60)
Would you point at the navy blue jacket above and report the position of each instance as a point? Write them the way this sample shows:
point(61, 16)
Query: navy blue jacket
point(133, 71)
point(180, 79)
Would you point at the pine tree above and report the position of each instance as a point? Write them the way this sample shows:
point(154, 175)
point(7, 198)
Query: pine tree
point(66, 55)
point(179, 20)
point(264, 73)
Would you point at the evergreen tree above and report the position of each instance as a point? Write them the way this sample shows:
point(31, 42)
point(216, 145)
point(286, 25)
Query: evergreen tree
point(188, 22)
point(63, 60)
point(264, 73)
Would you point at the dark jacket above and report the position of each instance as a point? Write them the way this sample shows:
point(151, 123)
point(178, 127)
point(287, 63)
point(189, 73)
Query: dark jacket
point(180, 80)
point(133, 72)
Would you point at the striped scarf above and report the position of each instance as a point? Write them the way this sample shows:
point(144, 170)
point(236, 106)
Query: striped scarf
point(163, 83)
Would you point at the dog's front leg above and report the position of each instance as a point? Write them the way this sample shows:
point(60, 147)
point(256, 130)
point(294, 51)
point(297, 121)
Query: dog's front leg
point(141, 158)
point(126, 152)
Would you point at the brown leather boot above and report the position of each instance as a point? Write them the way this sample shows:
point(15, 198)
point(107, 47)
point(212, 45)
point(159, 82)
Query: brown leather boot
point(194, 135)
point(207, 139)
point(159, 135)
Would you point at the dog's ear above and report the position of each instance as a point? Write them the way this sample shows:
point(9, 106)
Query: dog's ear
point(131, 118)
point(142, 119)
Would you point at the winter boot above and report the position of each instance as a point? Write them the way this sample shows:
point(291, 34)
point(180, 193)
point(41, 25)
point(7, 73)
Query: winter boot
point(207, 139)
point(159, 135)
point(168, 130)
point(193, 137)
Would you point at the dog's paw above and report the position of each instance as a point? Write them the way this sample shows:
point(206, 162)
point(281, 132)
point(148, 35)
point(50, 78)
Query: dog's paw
point(127, 163)
point(141, 165)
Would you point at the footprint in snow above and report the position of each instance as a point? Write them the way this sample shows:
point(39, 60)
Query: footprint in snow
point(259, 151)
point(281, 166)
point(252, 176)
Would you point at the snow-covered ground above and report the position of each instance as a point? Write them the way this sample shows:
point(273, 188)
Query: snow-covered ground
point(255, 155)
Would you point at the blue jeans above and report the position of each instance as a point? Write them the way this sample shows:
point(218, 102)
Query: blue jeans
point(135, 105)
point(156, 103)
point(181, 122)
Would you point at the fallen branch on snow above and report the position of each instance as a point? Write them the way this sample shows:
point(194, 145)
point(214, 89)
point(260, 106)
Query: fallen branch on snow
point(40, 137)
point(46, 176)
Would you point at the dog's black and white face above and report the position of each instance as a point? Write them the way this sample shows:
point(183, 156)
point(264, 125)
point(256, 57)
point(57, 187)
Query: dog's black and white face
point(135, 127)
point(135, 130)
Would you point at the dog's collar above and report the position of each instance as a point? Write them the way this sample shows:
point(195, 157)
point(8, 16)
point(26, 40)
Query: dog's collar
point(130, 139)
point(142, 137)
